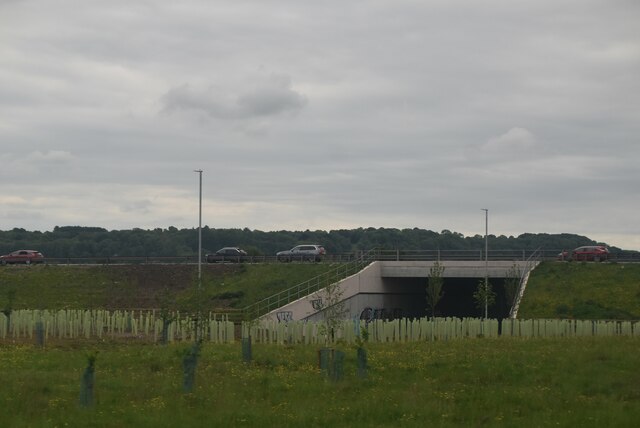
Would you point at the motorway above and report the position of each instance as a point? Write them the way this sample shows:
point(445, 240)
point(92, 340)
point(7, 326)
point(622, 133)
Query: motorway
point(382, 255)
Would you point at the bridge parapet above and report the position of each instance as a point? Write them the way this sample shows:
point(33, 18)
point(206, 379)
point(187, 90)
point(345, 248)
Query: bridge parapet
point(452, 269)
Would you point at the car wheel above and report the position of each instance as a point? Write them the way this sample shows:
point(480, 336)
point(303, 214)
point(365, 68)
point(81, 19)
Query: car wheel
point(4, 262)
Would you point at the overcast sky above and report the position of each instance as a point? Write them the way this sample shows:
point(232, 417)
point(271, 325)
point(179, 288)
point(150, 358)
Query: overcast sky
point(323, 115)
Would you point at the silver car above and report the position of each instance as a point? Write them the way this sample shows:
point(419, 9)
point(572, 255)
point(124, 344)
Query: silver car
point(312, 253)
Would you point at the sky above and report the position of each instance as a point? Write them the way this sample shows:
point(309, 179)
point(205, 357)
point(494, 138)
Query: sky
point(322, 115)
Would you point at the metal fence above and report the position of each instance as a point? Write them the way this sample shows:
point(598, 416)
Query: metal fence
point(492, 255)
point(533, 260)
point(377, 254)
point(339, 272)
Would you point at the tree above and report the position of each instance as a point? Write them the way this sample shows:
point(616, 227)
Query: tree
point(332, 307)
point(78, 241)
point(484, 296)
point(434, 287)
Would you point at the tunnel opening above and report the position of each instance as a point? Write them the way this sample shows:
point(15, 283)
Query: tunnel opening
point(458, 299)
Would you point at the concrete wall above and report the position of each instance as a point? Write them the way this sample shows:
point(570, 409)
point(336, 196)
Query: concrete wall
point(378, 287)
point(452, 269)
point(367, 280)
point(380, 306)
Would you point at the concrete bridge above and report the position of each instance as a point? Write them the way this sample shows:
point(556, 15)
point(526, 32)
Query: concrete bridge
point(397, 288)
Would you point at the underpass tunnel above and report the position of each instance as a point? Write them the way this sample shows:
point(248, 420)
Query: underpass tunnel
point(457, 299)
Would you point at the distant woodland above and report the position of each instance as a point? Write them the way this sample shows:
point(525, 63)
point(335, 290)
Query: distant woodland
point(77, 241)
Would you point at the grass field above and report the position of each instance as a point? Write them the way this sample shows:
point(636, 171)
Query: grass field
point(474, 382)
point(586, 382)
point(555, 290)
point(146, 286)
point(583, 291)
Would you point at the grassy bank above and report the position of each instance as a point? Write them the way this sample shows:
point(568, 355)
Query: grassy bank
point(476, 382)
point(583, 291)
point(146, 286)
point(555, 290)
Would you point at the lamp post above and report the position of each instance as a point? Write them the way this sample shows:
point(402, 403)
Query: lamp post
point(486, 262)
point(199, 171)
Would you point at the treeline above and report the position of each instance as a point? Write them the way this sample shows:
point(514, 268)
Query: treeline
point(77, 241)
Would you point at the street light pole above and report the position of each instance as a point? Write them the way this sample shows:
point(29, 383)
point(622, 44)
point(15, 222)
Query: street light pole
point(199, 171)
point(486, 262)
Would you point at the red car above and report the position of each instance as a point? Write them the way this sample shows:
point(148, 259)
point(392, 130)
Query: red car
point(23, 256)
point(590, 253)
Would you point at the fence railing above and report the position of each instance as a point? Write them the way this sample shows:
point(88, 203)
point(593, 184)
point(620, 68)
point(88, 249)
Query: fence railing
point(338, 273)
point(530, 264)
point(492, 255)
point(119, 260)
point(379, 254)
point(461, 255)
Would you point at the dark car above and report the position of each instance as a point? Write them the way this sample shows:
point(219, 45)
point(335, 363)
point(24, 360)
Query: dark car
point(228, 254)
point(312, 253)
point(590, 253)
point(22, 256)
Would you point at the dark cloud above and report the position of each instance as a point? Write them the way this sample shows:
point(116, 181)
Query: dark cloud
point(272, 96)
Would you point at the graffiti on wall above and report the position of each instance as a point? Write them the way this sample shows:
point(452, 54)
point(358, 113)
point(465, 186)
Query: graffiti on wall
point(316, 304)
point(370, 314)
point(284, 316)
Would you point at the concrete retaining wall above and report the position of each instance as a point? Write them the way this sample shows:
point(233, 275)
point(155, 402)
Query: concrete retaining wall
point(376, 286)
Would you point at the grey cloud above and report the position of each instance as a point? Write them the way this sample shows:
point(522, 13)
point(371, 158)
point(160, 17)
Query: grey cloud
point(35, 165)
point(139, 206)
point(51, 157)
point(270, 97)
point(514, 139)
